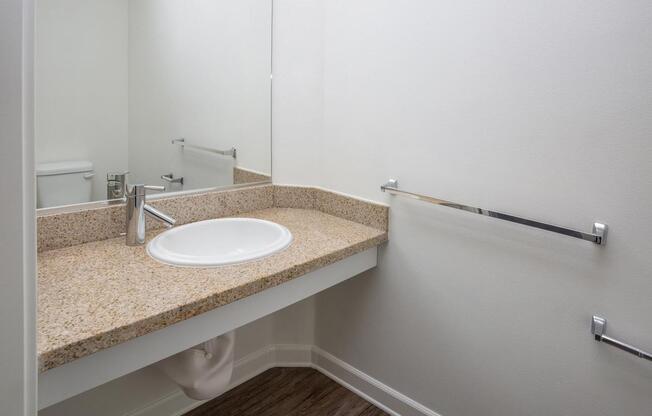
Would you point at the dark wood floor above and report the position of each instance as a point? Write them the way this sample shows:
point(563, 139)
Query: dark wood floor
point(288, 392)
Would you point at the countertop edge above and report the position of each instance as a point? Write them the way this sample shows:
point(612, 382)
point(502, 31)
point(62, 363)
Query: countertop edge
point(66, 353)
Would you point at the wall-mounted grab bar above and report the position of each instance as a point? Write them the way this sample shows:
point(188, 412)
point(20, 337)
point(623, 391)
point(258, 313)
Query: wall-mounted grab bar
point(598, 236)
point(182, 142)
point(599, 327)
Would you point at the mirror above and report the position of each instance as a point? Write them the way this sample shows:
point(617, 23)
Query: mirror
point(175, 92)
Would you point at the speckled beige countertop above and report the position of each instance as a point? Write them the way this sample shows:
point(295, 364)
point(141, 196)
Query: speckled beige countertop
point(96, 295)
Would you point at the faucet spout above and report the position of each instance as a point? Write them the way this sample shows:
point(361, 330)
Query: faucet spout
point(154, 213)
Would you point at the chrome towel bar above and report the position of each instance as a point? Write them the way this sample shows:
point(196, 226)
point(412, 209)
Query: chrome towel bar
point(182, 142)
point(598, 236)
point(598, 328)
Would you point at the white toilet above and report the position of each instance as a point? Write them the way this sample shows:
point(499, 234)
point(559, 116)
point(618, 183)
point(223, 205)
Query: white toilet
point(63, 183)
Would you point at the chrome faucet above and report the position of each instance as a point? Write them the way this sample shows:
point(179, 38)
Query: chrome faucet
point(137, 208)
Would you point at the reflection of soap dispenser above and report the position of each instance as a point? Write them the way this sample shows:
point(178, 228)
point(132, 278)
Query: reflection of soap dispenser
point(115, 185)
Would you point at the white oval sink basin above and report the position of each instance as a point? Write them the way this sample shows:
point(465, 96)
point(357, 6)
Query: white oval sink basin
point(219, 242)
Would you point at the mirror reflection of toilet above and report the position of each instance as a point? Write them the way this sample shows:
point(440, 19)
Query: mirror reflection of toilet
point(63, 183)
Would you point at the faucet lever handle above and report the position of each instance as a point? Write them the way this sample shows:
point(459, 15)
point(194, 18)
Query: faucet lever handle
point(154, 188)
point(138, 190)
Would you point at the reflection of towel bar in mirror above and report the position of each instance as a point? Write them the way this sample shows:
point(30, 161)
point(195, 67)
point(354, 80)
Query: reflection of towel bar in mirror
point(598, 236)
point(182, 142)
point(171, 179)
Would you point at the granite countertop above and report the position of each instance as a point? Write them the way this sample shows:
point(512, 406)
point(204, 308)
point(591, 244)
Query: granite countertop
point(99, 294)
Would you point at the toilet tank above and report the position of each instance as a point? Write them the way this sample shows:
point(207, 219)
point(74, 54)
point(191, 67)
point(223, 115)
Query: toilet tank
point(63, 183)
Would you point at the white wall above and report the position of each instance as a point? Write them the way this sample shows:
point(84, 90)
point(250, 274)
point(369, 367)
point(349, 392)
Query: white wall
point(81, 84)
point(17, 242)
point(541, 109)
point(199, 70)
point(297, 100)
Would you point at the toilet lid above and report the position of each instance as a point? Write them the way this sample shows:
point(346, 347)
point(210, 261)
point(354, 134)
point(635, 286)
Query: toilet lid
point(60, 168)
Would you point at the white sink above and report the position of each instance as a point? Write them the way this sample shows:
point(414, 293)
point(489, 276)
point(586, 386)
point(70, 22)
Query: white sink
point(219, 242)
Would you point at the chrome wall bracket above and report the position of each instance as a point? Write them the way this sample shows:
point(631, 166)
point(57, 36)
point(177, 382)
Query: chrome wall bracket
point(389, 185)
point(598, 329)
point(597, 236)
point(600, 232)
point(171, 179)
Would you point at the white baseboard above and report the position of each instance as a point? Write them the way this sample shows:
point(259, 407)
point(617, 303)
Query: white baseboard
point(367, 387)
point(291, 355)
